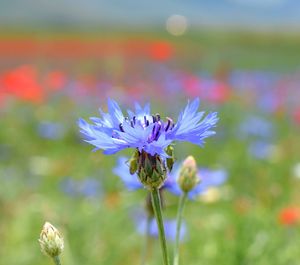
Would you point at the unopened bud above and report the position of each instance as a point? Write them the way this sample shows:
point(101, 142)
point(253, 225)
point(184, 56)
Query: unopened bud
point(133, 162)
point(52, 243)
point(171, 159)
point(188, 177)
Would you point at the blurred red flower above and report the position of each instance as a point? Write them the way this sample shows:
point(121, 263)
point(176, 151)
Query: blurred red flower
point(210, 90)
point(161, 50)
point(219, 93)
point(55, 80)
point(296, 116)
point(22, 83)
point(192, 85)
point(289, 216)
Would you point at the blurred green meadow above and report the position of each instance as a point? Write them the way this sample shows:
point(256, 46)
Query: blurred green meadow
point(47, 172)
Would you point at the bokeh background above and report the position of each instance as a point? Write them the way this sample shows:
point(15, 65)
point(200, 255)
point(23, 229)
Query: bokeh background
point(61, 60)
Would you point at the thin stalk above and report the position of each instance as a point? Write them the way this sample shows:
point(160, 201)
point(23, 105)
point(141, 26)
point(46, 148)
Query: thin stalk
point(178, 226)
point(56, 260)
point(146, 243)
point(156, 204)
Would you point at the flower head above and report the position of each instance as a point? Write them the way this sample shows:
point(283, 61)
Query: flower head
point(149, 135)
point(144, 131)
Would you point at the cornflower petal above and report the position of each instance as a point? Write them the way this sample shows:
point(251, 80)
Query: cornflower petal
point(159, 146)
point(100, 139)
point(115, 112)
point(209, 178)
point(169, 226)
point(136, 137)
point(190, 127)
point(122, 170)
point(114, 132)
point(86, 129)
point(139, 111)
point(171, 184)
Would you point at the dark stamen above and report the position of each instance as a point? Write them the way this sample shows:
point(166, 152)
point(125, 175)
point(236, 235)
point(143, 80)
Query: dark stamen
point(153, 133)
point(121, 127)
point(132, 124)
point(157, 116)
point(154, 118)
point(134, 120)
point(157, 131)
point(170, 122)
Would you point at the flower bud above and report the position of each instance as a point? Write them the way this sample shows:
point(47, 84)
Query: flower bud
point(188, 177)
point(133, 162)
point(151, 170)
point(171, 159)
point(51, 242)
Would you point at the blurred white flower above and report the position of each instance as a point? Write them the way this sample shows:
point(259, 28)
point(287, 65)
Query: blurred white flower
point(176, 25)
point(39, 165)
point(211, 195)
point(296, 171)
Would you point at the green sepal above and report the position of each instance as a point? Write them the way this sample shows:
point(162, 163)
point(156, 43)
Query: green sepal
point(133, 162)
point(170, 161)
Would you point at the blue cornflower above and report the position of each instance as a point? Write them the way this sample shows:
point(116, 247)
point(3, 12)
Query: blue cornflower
point(255, 126)
point(209, 178)
point(149, 135)
point(145, 132)
point(89, 187)
point(131, 181)
point(169, 226)
point(51, 130)
point(261, 149)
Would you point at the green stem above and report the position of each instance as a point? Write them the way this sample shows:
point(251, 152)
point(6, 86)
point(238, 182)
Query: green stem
point(56, 260)
point(178, 226)
point(156, 204)
point(146, 244)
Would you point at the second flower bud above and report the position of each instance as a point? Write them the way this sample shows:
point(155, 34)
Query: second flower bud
point(188, 176)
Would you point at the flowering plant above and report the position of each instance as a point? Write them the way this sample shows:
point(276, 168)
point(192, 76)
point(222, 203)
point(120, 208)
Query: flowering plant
point(152, 161)
point(148, 133)
point(153, 157)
